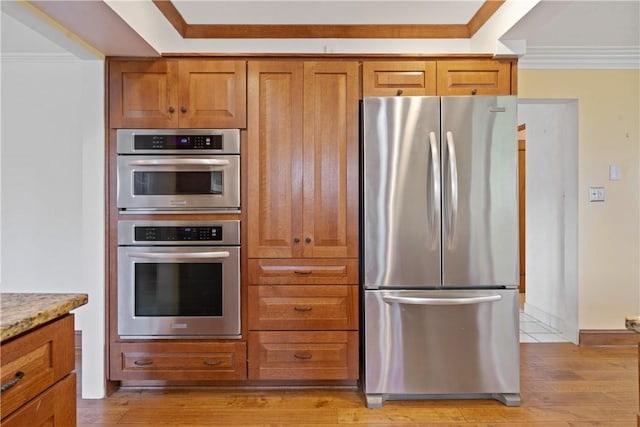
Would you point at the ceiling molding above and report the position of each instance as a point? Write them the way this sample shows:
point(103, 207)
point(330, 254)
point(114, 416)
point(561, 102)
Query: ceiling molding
point(583, 57)
point(369, 31)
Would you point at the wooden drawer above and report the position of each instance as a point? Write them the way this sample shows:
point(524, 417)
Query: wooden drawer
point(392, 78)
point(56, 407)
point(341, 271)
point(180, 361)
point(303, 307)
point(36, 361)
point(474, 78)
point(303, 355)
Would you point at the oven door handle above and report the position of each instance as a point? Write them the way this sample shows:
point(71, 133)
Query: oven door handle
point(178, 255)
point(179, 162)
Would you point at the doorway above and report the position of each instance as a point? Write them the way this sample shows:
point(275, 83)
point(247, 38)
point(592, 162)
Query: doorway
point(551, 212)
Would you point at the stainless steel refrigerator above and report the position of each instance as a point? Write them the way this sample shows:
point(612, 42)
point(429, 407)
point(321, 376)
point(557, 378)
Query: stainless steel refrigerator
point(440, 244)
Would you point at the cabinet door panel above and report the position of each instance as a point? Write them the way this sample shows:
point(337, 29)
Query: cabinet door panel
point(212, 94)
point(142, 94)
point(330, 163)
point(275, 159)
point(474, 78)
point(391, 78)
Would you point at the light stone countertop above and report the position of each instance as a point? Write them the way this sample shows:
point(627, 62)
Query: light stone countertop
point(633, 323)
point(21, 312)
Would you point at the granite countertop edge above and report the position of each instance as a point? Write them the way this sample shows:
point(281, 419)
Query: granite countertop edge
point(633, 323)
point(21, 312)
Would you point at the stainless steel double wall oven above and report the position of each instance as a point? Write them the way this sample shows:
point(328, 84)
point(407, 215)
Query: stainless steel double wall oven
point(178, 278)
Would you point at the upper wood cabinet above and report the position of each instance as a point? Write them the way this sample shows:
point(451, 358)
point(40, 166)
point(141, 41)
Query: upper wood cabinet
point(302, 159)
point(181, 93)
point(394, 78)
point(474, 77)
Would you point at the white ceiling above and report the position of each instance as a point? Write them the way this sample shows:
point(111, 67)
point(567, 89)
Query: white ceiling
point(544, 34)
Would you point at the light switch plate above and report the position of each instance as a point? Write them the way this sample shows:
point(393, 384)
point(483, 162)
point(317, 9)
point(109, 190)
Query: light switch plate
point(596, 194)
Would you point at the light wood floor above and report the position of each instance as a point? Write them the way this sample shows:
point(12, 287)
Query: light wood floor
point(561, 385)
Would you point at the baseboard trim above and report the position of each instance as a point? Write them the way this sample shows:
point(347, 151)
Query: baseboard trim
point(603, 337)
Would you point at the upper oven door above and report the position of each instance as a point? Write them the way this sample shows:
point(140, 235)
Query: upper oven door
point(178, 182)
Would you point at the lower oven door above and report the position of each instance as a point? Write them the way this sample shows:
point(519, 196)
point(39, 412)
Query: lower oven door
point(179, 292)
point(179, 182)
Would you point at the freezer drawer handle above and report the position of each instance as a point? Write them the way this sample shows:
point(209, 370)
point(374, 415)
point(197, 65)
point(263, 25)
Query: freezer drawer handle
point(440, 301)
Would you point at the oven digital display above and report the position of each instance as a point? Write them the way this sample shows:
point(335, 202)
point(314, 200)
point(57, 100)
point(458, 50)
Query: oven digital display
point(178, 142)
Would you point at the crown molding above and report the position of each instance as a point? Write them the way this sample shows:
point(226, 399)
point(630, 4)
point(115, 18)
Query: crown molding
point(582, 57)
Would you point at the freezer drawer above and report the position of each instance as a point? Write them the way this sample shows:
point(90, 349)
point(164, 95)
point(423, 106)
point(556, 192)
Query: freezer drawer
point(441, 343)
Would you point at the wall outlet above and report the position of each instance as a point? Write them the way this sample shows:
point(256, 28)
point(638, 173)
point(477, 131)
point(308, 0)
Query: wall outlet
point(596, 194)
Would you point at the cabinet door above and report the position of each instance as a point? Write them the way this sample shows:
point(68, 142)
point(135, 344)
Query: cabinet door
point(482, 77)
point(274, 159)
point(212, 94)
point(330, 159)
point(392, 78)
point(143, 94)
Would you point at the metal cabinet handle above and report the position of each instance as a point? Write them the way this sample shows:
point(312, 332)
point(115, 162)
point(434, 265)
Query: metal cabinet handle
point(212, 362)
point(303, 308)
point(6, 386)
point(302, 272)
point(440, 301)
point(296, 240)
point(171, 109)
point(307, 240)
point(302, 356)
point(399, 92)
point(144, 362)
point(183, 109)
point(474, 91)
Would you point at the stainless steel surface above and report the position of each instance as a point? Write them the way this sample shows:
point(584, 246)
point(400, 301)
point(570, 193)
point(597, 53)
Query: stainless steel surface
point(230, 232)
point(459, 349)
point(475, 196)
point(131, 326)
point(401, 206)
point(125, 137)
point(128, 166)
point(440, 313)
point(483, 249)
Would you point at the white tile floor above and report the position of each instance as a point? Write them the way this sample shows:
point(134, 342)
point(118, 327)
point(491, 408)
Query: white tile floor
point(533, 330)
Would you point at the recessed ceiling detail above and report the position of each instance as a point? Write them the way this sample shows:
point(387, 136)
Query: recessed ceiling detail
point(329, 31)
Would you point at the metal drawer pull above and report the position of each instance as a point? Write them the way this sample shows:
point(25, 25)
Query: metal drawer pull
point(303, 356)
point(303, 308)
point(212, 362)
point(302, 271)
point(8, 385)
point(145, 362)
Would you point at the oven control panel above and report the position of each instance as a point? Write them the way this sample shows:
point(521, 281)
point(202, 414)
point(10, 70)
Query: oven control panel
point(181, 233)
point(177, 142)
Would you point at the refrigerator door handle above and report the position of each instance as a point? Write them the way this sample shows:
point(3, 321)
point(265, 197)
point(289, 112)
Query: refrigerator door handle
point(453, 176)
point(434, 211)
point(389, 299)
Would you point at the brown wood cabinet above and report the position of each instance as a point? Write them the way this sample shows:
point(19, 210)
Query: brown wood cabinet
point(39, 364)
point(185, 93)
point(178, 361)
point(394, 78)
point(303, 220)
point(302, 159)
point(475, 77)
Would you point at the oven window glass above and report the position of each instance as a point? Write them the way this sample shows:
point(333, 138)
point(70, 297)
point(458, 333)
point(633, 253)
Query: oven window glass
point(177, 183)
point(178, 289)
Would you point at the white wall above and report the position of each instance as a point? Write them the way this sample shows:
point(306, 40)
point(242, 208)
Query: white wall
point(551, 212)
point(52, 220)
point(608, 232)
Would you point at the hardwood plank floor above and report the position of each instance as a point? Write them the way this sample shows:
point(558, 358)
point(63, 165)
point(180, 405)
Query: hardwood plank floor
point(561, 385)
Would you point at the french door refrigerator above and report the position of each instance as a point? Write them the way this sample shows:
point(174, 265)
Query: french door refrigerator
point(440, 244)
